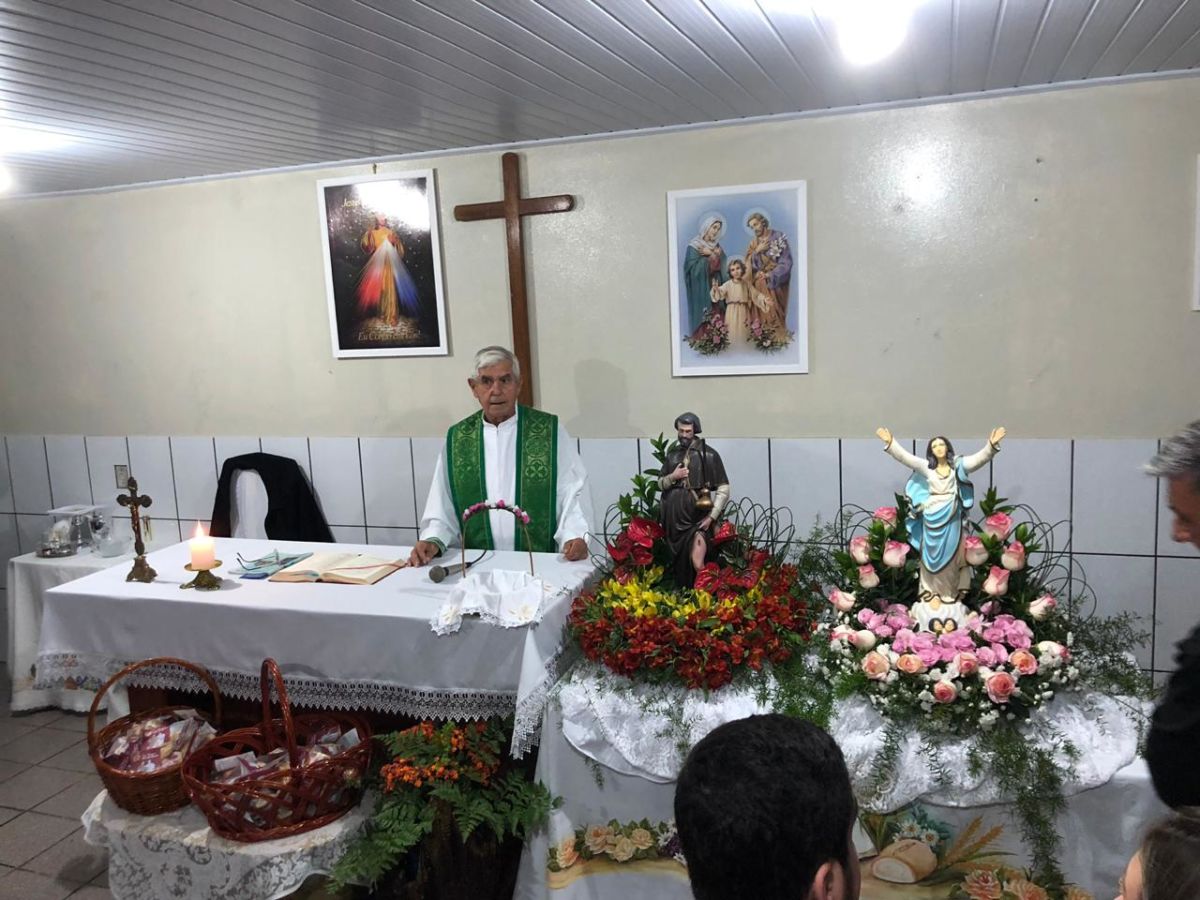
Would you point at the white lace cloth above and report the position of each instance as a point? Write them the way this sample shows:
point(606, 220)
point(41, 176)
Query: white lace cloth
point(646, 731)
point(339, 646)
point(1103, 729)
point(499, 597)
point(176, 854)
point(639, 729)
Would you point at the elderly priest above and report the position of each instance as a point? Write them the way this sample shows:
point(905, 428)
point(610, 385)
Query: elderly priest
point(504, 452)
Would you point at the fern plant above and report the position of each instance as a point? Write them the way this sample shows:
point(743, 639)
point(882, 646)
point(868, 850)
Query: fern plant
point(451, 769)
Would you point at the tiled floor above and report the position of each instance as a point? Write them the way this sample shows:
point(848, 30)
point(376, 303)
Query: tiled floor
point(46, 782)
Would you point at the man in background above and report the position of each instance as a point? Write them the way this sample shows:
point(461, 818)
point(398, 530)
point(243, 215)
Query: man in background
point(1175, 728)
point(764, 810)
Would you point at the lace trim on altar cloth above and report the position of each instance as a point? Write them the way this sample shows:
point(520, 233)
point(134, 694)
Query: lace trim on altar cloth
point(1104, 731)
point(527, 723)
point(76, 671)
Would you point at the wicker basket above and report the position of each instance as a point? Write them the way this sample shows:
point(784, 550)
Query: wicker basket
point(279, 804)
point(144, 793)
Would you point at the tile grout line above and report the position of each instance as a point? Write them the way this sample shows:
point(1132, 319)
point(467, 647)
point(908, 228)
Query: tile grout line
point(49, 480)
point(87, 464)
point(1154, 576)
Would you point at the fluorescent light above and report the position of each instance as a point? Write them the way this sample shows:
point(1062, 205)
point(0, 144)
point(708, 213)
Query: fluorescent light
point(6, 179)
point(869, 30)
point(22, 139)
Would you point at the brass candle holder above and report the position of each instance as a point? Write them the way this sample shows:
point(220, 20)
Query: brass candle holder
point(205, 580)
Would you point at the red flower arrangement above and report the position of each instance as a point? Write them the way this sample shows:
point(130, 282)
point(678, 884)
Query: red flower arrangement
point(743, 612)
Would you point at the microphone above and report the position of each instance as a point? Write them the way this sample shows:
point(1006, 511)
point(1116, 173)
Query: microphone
point(438, 574)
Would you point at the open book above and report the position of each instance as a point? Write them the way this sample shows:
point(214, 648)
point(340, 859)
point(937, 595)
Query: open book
point(340, 568)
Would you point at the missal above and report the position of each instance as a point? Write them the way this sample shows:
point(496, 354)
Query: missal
point(339, 568)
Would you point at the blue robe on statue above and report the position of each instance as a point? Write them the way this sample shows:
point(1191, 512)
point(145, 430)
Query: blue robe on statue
point(698, 272)
point(937, 533)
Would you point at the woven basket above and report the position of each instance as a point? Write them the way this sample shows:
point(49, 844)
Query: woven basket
point(144, 793)
point(279, 804)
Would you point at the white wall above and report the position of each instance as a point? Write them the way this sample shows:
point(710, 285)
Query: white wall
point(1023, 260)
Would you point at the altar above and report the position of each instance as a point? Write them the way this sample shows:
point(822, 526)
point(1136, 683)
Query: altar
point(367, 647)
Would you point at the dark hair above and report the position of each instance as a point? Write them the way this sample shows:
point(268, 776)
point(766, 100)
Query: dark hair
point(766, 222)
point(689, 418)
point(1171, 857)
point(738, 262)
point(761, 804)
point(929, 458)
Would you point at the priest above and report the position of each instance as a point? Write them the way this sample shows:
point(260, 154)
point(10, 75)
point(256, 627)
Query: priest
point(506, 452)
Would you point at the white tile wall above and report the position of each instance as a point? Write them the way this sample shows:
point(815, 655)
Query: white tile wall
point(611, 464)
point(806, 478)
point(871, 478)
point(8, 540)
point(67, 460)
point(195, 467)
point(746, 464)
point(228, 447)
point(292, 447)
point(30, 476)
point(388, 482)
point(102, 454)
point(425, 452)
point(1122, 584)
point(1113, 500)
point(391, 537)
point(337, 480)
point(1117, 509)
point(6, 497)
point(1036, 473)
point(1177, 607)
point(150, 465)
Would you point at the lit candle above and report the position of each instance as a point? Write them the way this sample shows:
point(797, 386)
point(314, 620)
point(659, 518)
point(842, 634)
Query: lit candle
point(204, 554)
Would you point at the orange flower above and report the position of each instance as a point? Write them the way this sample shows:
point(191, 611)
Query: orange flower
point(982, 884)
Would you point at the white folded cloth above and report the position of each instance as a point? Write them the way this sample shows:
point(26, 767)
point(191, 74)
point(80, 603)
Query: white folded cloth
point(498, 596)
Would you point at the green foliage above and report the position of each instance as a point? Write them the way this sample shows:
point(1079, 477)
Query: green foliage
point(453, 771)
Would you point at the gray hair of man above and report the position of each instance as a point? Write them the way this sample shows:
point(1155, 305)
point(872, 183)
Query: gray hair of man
point(494, 356)
point(1179, 456)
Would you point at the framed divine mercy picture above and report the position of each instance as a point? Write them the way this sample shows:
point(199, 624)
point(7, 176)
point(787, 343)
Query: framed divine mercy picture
point(739, 279)
point(383, 273)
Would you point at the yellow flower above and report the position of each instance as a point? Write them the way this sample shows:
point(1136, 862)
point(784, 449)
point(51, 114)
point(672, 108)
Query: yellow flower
point(642, 839)
point(596, 838)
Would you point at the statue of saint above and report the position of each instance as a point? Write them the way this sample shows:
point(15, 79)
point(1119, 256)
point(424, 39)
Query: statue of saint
point(695, 489)
point(940, 493)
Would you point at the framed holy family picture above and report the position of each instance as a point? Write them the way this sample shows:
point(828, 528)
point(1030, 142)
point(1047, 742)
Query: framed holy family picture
point(739, 279)
point(383, 275)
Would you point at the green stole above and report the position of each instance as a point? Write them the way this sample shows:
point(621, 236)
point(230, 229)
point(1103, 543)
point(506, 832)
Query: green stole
point(537, 479)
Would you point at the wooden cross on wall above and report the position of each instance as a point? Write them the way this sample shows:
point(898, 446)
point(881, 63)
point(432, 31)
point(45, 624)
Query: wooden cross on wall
point(511, 209)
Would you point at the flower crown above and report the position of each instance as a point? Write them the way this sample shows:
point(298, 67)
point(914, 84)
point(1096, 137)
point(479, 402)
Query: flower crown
point(475, 508)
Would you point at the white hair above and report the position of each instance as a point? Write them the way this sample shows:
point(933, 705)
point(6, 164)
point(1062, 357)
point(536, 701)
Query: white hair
point(1179, 456)
point(494, 356)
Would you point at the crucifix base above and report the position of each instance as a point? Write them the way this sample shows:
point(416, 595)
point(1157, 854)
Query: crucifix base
point(141, 571)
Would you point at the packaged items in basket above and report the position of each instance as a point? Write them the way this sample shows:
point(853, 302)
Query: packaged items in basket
point(152, 745)
point(258, 770)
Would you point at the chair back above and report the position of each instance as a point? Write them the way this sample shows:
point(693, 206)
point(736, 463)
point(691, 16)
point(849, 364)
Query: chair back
point(248, 510)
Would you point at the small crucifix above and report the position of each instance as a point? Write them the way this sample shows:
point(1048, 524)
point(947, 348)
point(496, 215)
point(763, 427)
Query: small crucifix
point(511, 209)
point(141, 570)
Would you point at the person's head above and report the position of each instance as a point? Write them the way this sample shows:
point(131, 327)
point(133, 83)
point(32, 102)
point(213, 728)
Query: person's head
point(764, 810)
point(712, 230)
point(1167, 864)
point(380, 220)
point(687, 427)
point(939, 450)
point(737, 269)
point(495, 381)
point(758, 224)
point(1178, 461)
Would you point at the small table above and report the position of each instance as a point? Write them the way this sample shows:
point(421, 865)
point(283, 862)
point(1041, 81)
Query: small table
point(29, 577)
point(176, 854)
point(363, 647)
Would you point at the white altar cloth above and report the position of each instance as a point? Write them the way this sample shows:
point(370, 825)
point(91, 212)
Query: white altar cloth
point(29, 577)
point(176, 854)
point(339, 646)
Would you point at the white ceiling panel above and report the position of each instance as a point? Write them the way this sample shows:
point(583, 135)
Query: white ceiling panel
point(151, 90)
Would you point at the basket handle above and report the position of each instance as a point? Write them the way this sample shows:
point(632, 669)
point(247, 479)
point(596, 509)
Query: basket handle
point(197, 670)
point(270, 672)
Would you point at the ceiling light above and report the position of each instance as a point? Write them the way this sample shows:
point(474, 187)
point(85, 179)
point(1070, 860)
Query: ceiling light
point(869, 30)
point(22, 139)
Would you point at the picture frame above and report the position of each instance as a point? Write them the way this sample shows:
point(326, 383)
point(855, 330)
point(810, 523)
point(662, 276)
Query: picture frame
point(383, 272)
point(748, 322)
